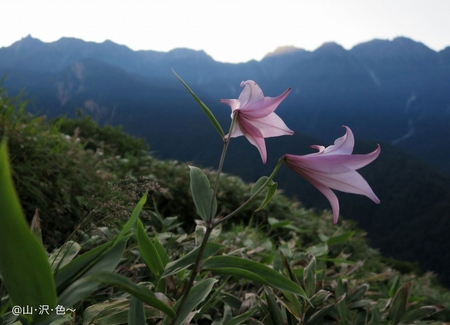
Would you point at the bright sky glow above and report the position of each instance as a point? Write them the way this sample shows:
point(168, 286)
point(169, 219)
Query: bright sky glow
point(231, 30)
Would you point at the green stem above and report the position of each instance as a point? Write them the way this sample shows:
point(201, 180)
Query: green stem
point(195, 270)
point(209, 225)
point(246, 203)
point(226, 141)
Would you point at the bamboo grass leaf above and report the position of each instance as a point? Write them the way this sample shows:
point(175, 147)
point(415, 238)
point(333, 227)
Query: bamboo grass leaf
point(198, 293)
point(20, 250)
point(136, 314)
point(138, 291)
point(189, 259)
point(399, 302)
point(148, 251)
point(132, 221)
point(231, 265)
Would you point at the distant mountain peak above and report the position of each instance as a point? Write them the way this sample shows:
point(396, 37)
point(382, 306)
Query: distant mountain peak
point(181, 53)
point(330, 47)
point(283, 50)
point(26, 43)
point(399, 46)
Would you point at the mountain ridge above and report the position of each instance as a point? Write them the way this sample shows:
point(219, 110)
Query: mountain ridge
point(401, 78)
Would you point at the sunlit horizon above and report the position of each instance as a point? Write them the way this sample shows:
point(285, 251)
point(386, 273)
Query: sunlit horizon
point(234, 31)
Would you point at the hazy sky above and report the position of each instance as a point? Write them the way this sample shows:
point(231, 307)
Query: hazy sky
point(228, 30)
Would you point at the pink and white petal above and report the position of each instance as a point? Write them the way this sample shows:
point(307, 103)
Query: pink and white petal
point(272, 126)
point(251, 93)
point(359, 161)
point(328, 193)
point(237, 132)
point(320, 148)
point(350, 182)
point(264, 106)
point(343, 145)
point(255, 137)
point(233, 103)
point(333, 164)
point(315, 163)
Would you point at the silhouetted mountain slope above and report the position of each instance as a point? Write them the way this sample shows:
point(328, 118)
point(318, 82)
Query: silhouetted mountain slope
point(393, 91)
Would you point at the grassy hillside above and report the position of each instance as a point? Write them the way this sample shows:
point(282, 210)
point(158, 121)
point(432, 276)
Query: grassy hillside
point(85, 181)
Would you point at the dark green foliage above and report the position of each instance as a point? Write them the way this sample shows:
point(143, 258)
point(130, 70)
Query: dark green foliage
point(60, 169)
point(346, 281)
point(53, 174)
point(110, 139)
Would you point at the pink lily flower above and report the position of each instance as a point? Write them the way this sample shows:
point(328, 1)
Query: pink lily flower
point(256, 119)
point(334, 167)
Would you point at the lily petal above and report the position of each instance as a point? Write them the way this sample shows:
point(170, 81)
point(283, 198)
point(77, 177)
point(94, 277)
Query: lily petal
point(264, 106)
point(343, 145)
point(256, 119)
point(332, 164)
point(334, 167)
point(272, 126)
point(251, 93)
point(234, 104)
point(255, 137)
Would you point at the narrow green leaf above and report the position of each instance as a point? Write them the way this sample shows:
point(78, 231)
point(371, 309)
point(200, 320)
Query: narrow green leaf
point(24, 266)
point(136, 313)
point(360, 304)
point(161, 251)
point(63, 255)
point(213, 300)
point(274, 309)
point(340, 238)
point(148, 251)
point(317, 317)
point(420, 313)
point(341, 306)
point(275, 223)
point(398, 304)
point(227, 314)
point(231, 300)
point(287, 265)
point(294, 306)
point(320, 297)
point(271, 188)
point(318, 250)
point(76, 268)
point(376, 316)
point(258, 184)
point(204, 107)
point(358, 293)
point(202, 193)
point(241, 318)
point(139, 291)
point(336, 260)
point(270, 192)
point(113, 311)
point(252, 270)
point(309, 277)
point(189, 259)
point(132, 221)
point(82, 287)
point(198, 293)
point(394, 288)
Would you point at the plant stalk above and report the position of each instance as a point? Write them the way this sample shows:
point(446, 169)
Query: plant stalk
point(209, 225)
point(251, 198)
